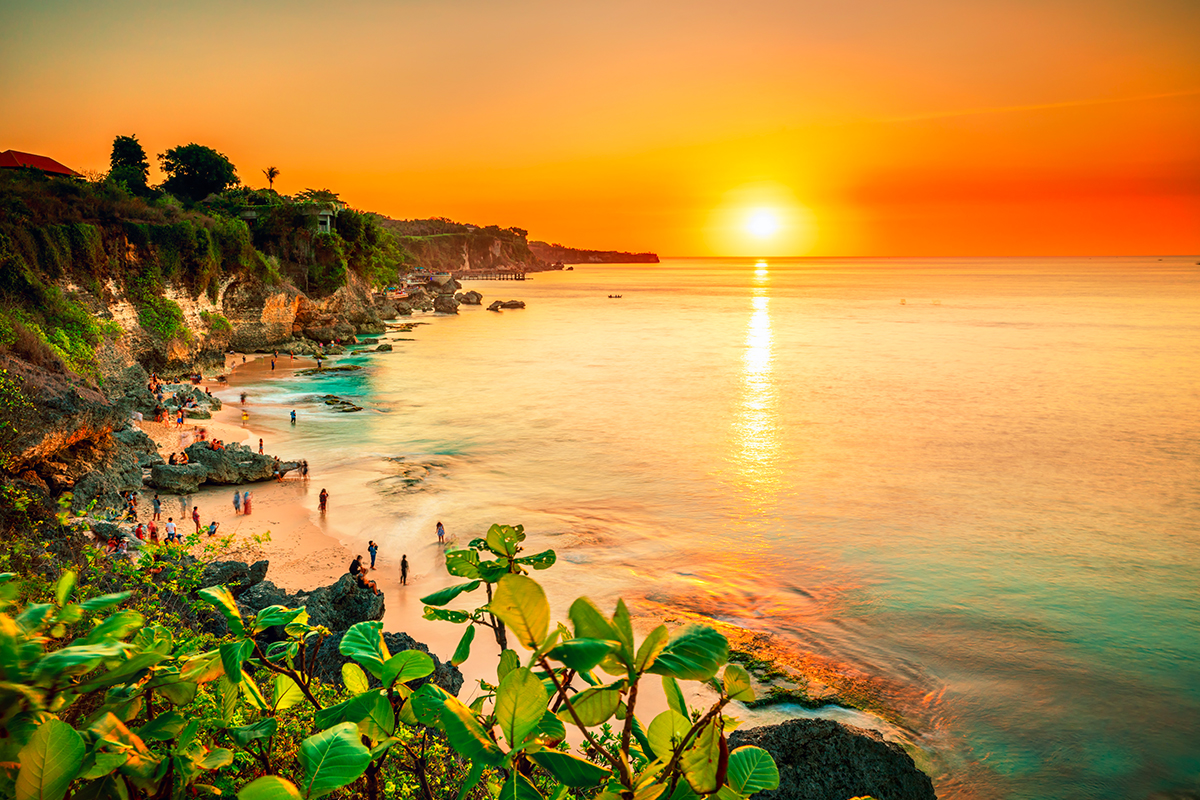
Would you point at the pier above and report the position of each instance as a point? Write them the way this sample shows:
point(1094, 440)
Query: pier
point(490, 275)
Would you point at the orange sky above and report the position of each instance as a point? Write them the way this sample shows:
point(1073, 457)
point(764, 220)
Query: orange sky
point(927, 127)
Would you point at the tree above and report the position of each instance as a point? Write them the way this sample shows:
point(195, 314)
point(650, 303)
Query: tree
point(195, 171)
point(272, 173)
point(128, 163)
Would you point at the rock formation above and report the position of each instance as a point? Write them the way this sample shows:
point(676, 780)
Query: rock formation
point(235, 464)
point(820, 759)
point(471, 298)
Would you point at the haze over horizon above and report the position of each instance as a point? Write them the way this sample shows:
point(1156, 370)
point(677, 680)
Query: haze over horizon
point(766, 128)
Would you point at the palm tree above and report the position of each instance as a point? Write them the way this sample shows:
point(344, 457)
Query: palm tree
point(272, 173)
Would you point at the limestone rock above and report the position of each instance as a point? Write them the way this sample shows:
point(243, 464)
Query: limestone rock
point(178, 479)
point(820, 759)
point(513, 304)
point(470, 298)
point(235, 574)
point(445, 304)
point(383, 348)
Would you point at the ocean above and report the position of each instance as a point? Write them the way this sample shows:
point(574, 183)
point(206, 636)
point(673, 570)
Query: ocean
point(972, 482)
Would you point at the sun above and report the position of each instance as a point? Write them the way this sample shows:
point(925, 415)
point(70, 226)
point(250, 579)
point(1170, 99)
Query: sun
point(762, 223)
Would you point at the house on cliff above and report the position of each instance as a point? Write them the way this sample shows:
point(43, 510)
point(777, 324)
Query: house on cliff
point(15, 159)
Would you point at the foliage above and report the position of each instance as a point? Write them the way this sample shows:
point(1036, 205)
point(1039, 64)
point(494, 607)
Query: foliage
point(96, 702)
point(128, 164)
point(195, 171)
point(15, 407)
point(272, 173)
point(217, 323)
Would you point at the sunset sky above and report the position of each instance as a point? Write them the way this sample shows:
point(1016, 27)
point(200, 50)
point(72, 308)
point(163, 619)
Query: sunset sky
point(861, 127)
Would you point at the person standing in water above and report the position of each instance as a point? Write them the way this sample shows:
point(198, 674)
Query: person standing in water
point(373, 549)
point(322, 501)
point(404, 570)
point(441, 532)
point(293, 416)
point(237, 502)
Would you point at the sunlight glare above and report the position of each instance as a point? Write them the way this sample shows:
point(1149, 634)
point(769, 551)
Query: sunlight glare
point(763, 223)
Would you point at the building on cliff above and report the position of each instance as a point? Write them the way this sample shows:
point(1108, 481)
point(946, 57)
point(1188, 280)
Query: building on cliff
point(15, 159)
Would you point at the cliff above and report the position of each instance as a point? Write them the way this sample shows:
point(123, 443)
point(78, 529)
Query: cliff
point(442, 245)
point(557, 253)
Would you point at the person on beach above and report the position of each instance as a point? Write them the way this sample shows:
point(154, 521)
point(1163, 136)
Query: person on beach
point(304, 469)
point(356, 565)
point(404, 570)
point(153, 533)
point(212, 527)
point(293, 416)
point(322, 501)
point(373, 549)
point(196, 517)
point(170, 529)
point(246, 503)
point(140, 532)
point(441, 532)
point(245, 417)
point(243, 398)
point(237, 502)
point(272, 365)
point(260, 447)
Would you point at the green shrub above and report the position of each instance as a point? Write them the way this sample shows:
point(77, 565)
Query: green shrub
point(217, 323)
point(163, 317)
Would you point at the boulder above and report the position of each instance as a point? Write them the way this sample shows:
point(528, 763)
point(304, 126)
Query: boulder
point(513, 304)
point(495, 306)
point(820, 759)
point(337, 607)
point(383, 348)
point(197, 413)
point(471, 298)
point(236, 464)
point(445, 304)
point(329, 660)
point(177, 479)
point(238, 576)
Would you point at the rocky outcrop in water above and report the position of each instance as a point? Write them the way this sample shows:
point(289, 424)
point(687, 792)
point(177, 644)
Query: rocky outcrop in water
point(470, 298)
point(500, 304)
point(819, 759)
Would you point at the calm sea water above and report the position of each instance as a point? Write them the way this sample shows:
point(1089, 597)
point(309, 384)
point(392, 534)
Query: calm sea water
point(978, 479)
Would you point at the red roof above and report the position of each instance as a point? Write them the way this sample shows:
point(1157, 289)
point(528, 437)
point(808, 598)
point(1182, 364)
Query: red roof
point(14, 159)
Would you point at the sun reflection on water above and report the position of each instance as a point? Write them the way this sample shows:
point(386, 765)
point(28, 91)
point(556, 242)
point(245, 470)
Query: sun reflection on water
point(756, 434)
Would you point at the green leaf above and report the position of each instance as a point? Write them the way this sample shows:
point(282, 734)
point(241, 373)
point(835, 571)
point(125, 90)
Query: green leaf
point(104, 765)
point(736, 682)
point(466, 735)
point(701, 761)
point(509, 660)
point(551, 729)
point(463, 651)
point(503, 539)
point(228, 691)
point(472, 779)
point(448, 594)
point(162, 728)
point(518, 787)
point(105, 601)
point(287, 693)
point(652, 647)
point(751, 769)
point(331, 759)
point(520, 702)
point(492, 571)
point(215, 759)
point(128, 672)
point(463, 563)
point(666, 732)
point(171, 685)
point(675, 699)
point(354, 678)
point(232, 656)
point(542, 560)
point(405, 666)
point(263, 729)
point(571, 770)
point(377, 718)
point(34, 616)
point(269, 787)
point(49, 762)
point(446, 615)
point(521, 603)
point(117, 626)
point(222, 599)
point(694, 654)
point(428, 702)
point(271, 616)
point(364, 643)
point(582, 655)
point(253, 693)
point(64, 587)
point(204, 667)
point(593, 707)
point(76, 660)
point(589, 622)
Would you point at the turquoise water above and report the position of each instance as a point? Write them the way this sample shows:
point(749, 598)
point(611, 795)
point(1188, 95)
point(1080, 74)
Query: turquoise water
point(974, 479)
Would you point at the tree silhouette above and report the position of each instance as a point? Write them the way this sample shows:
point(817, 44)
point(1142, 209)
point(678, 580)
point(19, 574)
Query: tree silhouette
point(195, 171)
point(272, 173)
point(128, 163)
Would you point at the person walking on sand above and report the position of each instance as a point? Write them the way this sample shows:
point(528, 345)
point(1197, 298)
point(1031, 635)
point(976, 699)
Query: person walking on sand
point(196, 517)
point(170, 529)
point(373, 549)
point(237, 502)
point(246, 503)
point(404, 570)
point(322, 501)
point(260, 447)
point(272, 365)
point(157, 515)
point(293, 416)
point(441, 532)
point(245, 417)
